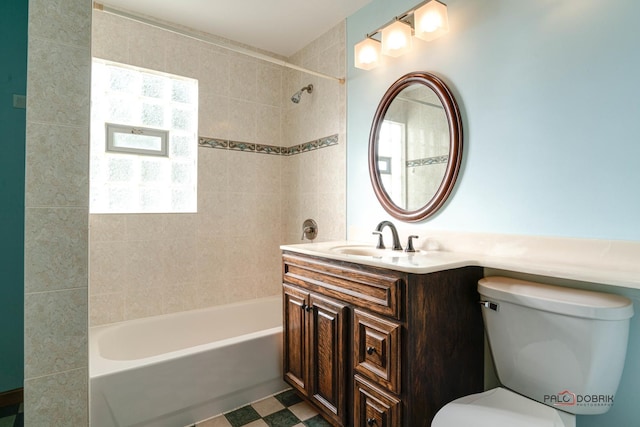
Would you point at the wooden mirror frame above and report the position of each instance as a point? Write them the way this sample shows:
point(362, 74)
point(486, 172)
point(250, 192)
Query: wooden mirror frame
point(455, 146)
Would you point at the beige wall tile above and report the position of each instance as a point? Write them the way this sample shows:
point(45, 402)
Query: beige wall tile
point(147, 47)
point(108, 263)
point(242, 120)
point(57, 173)
point(182, 56)
point(213, 292)
point(110, 37)
point(55, 331)
point(243, 83)
point(147, 264)
point(180, 297)
point(268, 122)
point(214, 218)
point(331, 216)
point(332, 167)
point(213, 259)
point(150, 226)
point(107, 228)
point(142, 302)
point(214, 74)
point(58, 84)
point(213, 115)
point(182, 257)
point(57, 400)
point(269, 87)
point(106, 308)
point(213, 171)
point(62, 21)
point(55, 248)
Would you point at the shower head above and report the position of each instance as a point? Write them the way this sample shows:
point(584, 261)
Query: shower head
point(295, 98)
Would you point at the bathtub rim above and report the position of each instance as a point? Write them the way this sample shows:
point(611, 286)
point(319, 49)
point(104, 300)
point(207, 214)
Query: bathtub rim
point(100, 366)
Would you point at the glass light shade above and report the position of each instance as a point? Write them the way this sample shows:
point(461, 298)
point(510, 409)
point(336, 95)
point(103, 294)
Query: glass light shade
point(396, 39)
point(367, 54)
point(431, 21)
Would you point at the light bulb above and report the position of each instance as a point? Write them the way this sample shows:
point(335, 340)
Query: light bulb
point(367, 54)
point(396, 39)
point(431, 21)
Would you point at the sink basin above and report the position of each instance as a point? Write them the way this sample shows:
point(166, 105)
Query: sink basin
point(369, 251)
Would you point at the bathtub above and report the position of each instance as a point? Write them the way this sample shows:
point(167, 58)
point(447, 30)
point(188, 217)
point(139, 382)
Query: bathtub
point(176, 369)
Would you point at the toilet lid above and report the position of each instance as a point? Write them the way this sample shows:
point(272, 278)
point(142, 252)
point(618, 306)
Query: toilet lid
point(499, 407)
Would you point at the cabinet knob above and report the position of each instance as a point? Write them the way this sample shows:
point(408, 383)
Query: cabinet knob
point(308, 308)
point(371, 421)
point(370, 351)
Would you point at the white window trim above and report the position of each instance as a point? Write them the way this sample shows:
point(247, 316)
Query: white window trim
point(112, 129)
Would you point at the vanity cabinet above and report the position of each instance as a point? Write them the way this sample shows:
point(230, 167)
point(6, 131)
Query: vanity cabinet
point(369, 346)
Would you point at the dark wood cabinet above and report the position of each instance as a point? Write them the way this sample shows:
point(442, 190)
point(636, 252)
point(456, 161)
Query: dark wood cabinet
point(315, 350)
point(369, 346)
point(294, 336)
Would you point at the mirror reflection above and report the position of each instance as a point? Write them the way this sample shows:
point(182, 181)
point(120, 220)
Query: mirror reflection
point(413, 147)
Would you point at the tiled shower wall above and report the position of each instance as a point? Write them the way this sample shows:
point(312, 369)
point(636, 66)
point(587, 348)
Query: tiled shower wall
point(248, 203)
point(314, 184)
point(56, 213)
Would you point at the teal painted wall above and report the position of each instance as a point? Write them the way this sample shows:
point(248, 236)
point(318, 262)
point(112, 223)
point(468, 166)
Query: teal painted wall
point(13, 80)
point(550, 98)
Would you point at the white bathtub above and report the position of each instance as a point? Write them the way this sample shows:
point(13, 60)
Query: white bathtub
point(176, 369)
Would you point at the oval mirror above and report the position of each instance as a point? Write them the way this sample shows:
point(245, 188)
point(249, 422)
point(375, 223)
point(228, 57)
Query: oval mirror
point(415, 146)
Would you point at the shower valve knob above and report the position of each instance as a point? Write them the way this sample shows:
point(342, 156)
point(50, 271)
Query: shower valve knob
point(309, 229)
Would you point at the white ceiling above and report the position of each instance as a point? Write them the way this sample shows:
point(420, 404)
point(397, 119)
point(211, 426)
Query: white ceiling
point(278, 26)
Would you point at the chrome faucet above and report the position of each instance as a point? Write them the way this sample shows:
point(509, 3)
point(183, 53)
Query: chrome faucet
point(394, 233)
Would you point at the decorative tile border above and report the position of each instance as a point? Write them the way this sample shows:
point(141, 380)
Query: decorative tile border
point(225, 144)
point(428, 161)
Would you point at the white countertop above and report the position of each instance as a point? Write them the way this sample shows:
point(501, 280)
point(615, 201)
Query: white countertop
point(621, 273)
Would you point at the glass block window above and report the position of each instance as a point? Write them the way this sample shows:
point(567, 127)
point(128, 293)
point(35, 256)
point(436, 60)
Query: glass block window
point(143, 140)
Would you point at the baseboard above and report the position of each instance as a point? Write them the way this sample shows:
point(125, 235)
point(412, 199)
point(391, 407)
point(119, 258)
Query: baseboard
point(11, 397)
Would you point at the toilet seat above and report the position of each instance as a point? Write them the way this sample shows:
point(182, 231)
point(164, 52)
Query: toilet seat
point(500, 407)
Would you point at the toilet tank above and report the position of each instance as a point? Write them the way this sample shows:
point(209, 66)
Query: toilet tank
point(560, 346)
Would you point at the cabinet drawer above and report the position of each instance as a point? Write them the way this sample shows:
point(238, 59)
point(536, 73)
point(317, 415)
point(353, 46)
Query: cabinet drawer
point(376, 290)
point(377, 349)
point(373, 407)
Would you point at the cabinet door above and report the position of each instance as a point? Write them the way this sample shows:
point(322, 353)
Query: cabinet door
point(295, 345)
point(327, 355)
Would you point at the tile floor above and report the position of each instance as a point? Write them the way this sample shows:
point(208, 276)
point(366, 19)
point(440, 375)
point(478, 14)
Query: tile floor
point(11, 416)
point(285, 409)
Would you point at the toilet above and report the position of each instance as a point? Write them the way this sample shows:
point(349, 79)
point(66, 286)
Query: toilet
point(558, 352)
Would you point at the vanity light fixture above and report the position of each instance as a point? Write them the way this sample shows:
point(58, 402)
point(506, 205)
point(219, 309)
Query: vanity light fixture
point(427, 21)
point(431, 21)
point(396, 38)
point(368, 54)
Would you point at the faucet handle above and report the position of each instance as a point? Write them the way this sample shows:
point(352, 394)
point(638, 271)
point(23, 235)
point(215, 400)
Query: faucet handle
point(410, 244)
point(380, 244)
point(309, 229)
